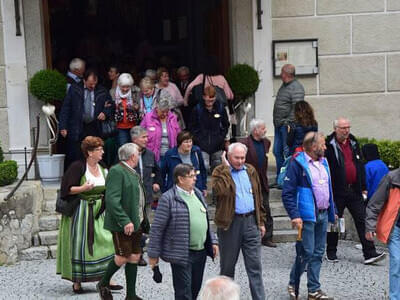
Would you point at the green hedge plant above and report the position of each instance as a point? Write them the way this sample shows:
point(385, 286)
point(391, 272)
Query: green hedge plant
point(388, 150)
point(8, 172)
point(48, 86)
point(244, 80)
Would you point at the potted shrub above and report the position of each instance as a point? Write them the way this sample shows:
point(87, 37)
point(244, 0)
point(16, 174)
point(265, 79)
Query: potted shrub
point(244, 81)
point(49, 86)
point(8, 170)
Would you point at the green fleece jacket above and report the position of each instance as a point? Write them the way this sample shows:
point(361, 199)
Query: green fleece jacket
point(122, 198)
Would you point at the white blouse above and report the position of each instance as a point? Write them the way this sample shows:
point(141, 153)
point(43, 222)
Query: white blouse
point(98, 181)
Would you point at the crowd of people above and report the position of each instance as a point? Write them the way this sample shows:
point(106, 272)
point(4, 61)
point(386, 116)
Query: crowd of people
point(162, 140)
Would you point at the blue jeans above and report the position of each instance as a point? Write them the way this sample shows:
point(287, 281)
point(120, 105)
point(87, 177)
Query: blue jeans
point(309, 252)
point(123, 137)
point(281, 149)
point(187, 279)
point(394, 266)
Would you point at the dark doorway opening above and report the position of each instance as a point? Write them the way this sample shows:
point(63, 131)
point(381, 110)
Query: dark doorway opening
point(136, 34)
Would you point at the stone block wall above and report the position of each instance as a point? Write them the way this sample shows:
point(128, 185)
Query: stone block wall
point(359, 59)
point(4, 136)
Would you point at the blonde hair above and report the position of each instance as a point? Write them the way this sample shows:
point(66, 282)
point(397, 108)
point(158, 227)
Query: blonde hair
point(146, 83)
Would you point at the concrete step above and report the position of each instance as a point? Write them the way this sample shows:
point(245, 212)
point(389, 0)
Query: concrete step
point(275, 195)
point(277, 209)
point(49, 222)
point(282, 223)
point(50, 192)
point(48, 238)
point(211, 211)
point(284, 236)
point(53, 251)
point(49, 206)
point(34, 253)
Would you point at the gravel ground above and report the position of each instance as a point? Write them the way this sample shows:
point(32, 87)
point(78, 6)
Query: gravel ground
point(347, 279)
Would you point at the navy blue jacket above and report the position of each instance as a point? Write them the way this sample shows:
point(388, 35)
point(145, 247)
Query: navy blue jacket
point(172, 159)
point(296, 135)
point(298, 196)
point(170, 231)
point(71, 114)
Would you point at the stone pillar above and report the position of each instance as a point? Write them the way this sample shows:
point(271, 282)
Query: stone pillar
point(17, 106)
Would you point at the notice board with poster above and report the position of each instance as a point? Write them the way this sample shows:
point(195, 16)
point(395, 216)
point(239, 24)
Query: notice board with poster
point(303, 54)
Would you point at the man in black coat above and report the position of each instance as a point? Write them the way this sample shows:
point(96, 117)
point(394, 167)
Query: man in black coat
point(82, 113)
point(348, 183)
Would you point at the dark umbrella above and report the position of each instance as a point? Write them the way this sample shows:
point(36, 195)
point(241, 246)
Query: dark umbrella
point(299, 260)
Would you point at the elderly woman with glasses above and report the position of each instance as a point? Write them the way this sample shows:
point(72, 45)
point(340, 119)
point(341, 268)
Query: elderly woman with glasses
point(184, 152)
point(162, 128)
point(181, 235)
point(84, 247)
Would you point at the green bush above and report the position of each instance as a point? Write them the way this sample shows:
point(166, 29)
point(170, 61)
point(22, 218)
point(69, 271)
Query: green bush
point(8, 172)
point(48, 86)
point(243, 80)
point(388, 150)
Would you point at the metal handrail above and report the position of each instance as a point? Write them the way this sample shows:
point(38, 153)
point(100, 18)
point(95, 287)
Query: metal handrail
point(33, 157)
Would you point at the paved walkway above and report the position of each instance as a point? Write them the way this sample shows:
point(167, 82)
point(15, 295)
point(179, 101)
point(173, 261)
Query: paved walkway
point(347, 279)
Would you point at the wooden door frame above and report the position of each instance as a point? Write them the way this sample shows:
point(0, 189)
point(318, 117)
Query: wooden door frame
point(47, 35)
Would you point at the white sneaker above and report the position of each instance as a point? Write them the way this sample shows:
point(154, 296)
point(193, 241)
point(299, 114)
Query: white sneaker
point(358, 246)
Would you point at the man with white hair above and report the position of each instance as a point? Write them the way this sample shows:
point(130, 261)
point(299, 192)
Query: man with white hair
point(76, 71)
point(126, 218)
point(348, 182)
point(257, 156)
point(220, 288)
point(239, 216)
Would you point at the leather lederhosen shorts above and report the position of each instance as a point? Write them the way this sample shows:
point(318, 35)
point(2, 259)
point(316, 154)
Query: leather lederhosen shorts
point(125, 245)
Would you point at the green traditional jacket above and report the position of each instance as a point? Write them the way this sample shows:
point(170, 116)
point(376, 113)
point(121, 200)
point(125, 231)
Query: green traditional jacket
point(122, 198)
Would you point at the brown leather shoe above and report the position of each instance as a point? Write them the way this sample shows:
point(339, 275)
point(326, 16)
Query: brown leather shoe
point(269, 243)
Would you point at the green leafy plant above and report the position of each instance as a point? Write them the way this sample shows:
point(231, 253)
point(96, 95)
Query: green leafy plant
point(244, 80)
point(8, 172)
point(389, 150)
point(48, 86)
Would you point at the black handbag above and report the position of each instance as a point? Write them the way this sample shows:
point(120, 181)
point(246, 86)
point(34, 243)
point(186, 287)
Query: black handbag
point(108, 128)
point(67, 207)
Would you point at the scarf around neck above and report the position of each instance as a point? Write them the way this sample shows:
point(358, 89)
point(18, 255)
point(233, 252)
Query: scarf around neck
point(127, 96)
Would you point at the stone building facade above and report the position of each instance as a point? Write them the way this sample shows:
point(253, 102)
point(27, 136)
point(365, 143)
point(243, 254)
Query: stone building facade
point(359, 54)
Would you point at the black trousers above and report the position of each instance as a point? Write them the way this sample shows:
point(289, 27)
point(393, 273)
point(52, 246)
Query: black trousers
point(354, 203)
point(269, 222)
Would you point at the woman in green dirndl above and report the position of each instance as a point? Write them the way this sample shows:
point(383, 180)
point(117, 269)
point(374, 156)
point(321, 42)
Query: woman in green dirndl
point(84, 247)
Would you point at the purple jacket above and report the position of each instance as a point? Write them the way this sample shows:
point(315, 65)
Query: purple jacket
point(152, 123)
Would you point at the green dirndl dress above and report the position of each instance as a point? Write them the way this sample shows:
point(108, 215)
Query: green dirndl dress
point(76, 260)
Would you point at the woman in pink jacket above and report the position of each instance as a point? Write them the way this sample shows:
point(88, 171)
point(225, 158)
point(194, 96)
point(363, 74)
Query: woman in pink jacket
point(162, 128)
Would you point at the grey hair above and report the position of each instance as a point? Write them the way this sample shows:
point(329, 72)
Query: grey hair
point(220, 288)
point(233, 146)
point(137, 131)
point(163, 103)
point(125, 79)
point(289, 69)
point(336, 121)
point(311, 139)
point(183, 69)
point(150, 73)
point(126, 151)
point(146, 83)
point(255, 123)
point(76, 64)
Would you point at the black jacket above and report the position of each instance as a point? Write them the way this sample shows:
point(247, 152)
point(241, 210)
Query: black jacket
point(151, 173)
point(209, 128)
point(335, 159)
point(71, 115)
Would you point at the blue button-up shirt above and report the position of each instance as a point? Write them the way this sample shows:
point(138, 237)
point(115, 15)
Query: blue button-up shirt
point(244, 202)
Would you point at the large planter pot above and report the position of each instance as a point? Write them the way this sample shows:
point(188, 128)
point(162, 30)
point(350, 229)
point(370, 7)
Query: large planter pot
point(51, 167)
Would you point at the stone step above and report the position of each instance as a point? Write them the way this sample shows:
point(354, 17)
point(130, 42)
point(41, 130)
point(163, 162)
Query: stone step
point(277, 209)
point(53, 251)
point(49, 222)
point(34, 253)
point(50, 193)
point(284, 236)
point(282, 223)
point(48, 238)
point(275, 195)
point(49, 206)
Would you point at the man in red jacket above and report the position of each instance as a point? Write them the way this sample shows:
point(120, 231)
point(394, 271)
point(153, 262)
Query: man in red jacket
point(257, 155)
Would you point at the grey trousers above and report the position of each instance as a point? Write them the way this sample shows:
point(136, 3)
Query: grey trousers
point(243, 234)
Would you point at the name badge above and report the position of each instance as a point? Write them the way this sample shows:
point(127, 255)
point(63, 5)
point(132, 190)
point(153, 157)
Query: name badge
point(321, 181)
point(202, 209)
point(153, 175)
point(217, 116)
point(152, 128)
point(197, 172)
point(251, 191)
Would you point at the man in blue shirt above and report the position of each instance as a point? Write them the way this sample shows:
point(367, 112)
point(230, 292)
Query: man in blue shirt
point(239, 216)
